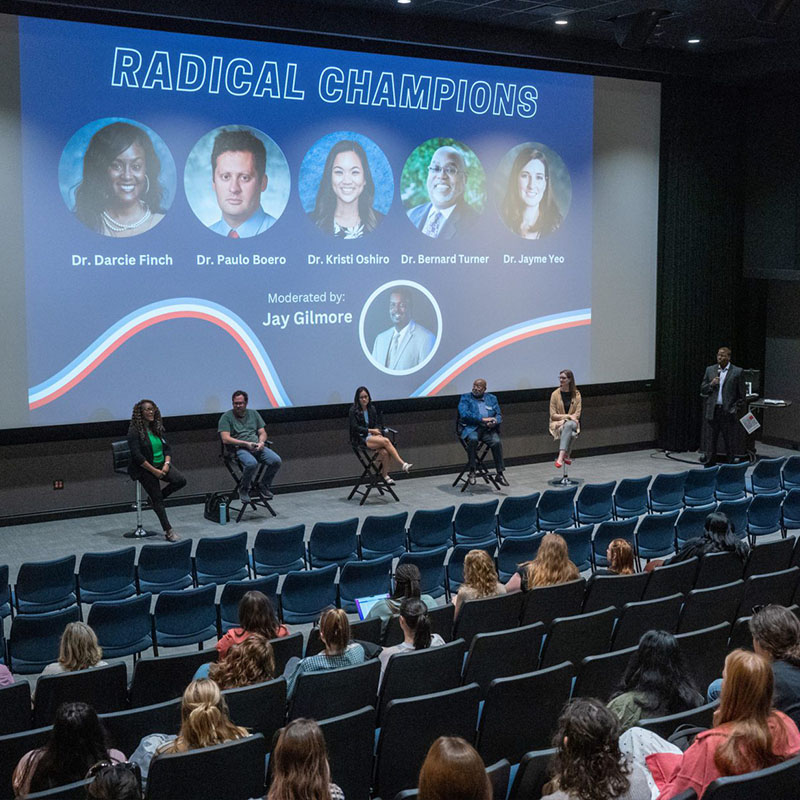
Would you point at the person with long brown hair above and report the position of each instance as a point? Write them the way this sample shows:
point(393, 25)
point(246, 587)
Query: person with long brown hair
point(453, 770)
point(300, 765)
point(256, 615)
point(565, 415)
point(551, 566)
point(619, 555)
point(480, 579)
point(251, 661)
point(748, 733)
point(416, 627)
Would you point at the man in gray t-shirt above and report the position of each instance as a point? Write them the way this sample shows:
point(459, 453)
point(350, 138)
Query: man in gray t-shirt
point(243, 431)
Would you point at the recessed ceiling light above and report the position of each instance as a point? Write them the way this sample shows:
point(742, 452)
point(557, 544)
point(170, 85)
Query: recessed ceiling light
point(403, 2)
point(694, 41)
point(562, 22)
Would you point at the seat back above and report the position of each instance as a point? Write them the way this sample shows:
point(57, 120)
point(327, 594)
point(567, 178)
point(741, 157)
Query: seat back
point(431, 528)
point(127, 728)
point(364, 579)
point(774, 587)
point(777, 783)
point(156, 680)
point(655, 535)
point(122, 627)
point(103, 688)
point(44, 586)
point(234, 591)
point(107, 576)
point(766, 476)
point(383, 535)
point(630, 497)
point(260, 707)
point(730, 481)
point(364, 630)
point(279, 550)
point(431, 567)
point(350, 741)
point(545, 603)
point(606, 532)
point(219, 559)
point(579, 545)
point(717, 569)
point(12, 748)
point(335, 691)
point(790, 473)
point(790, 511)
point(120, 456)
point(556, 509)
point(532, 775)
point(705, 607)
point(613, 590)
point(699, 487)
point(5, 592)
point(666, 491)
point(475, 522)
point(671, 578)
point(601, 675)
point(15, 700)
point(35, 639)
point(517, 515)
point(736, 512)
point(764, 515)
point(502, 653)
point(333, 542)
point(690, 525)
point(419, 672)
point(284, 648)
point(69, 791)
point(488, 614)
point(536, 695)
point(305, 595)
point(185, 617)
point(196, 773)
point(164, 566)
point(704, 652)
point(577, 637)
point(514, 550)
point(449, 713)
point(701, 717)
point(594, 503)
point(638, 618)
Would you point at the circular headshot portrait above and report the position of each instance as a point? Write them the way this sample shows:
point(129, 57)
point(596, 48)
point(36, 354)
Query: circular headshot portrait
point(237, 181)
point(117, 176)
point(400, 327)
point(534, 190)
point(443, 187)
point(346, 185)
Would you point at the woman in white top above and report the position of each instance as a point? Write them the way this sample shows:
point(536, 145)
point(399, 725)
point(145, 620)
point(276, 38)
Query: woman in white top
point(416, 626)
point(79, 650)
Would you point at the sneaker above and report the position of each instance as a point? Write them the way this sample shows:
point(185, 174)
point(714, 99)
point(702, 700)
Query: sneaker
point(244, 498)
point(501, 479)
point(471, 477)
point(266, 493)
point(171, 536)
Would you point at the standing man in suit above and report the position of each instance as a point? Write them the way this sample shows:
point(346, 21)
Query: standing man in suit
point(724, 396)
point(447, 213)
point(406, 343)
point(479, 419)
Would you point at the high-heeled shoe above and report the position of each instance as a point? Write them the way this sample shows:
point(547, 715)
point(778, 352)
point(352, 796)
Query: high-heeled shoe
point(407, 466)
point(558, 464)
point(568, 462)
point(389, 480)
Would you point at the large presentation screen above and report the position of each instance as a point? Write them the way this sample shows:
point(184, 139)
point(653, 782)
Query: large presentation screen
point(204, 214)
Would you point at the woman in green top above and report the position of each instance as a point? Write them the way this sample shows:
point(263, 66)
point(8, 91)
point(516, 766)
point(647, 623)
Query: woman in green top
point(151, 462)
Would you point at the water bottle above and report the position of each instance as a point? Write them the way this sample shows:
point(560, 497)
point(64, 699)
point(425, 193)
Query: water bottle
point(223, 513)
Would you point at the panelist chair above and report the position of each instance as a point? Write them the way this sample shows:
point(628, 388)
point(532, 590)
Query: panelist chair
point(121, 457)
point(228, 456)
point(371, 476)
point(481, 470)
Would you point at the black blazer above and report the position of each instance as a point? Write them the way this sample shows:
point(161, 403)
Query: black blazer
point(141, 452)
point(733, 393)
point(359, 428)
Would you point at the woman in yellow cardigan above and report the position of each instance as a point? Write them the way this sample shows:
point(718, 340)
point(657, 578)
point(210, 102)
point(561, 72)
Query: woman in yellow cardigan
point(565, 415)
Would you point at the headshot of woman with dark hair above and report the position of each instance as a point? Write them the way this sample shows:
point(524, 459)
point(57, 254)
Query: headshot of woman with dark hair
point(120, 193)
point(346, 193)
point(529, 207)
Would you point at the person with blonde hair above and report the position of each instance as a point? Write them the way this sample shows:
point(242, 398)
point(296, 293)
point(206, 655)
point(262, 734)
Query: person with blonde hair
point(251, 661)
point(480, 579)
point(334, 631)
point(748, 733)
point(551, 566)
point(300, 765)
point(453, 770)
point(79, 649)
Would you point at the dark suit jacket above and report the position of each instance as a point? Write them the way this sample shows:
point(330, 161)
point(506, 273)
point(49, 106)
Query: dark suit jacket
point(141, 452)
point(461, 218)
point(733, 394)
point(358, 426)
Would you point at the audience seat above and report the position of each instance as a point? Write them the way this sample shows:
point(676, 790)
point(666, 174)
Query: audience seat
point(156, 680)
point(350, 740)
point(335, 691)
point(279, 550)
point(601, 675)
point(128, 727)
point(577, 637)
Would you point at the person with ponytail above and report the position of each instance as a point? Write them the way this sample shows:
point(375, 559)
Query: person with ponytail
point(334, 631)
point(416, 626)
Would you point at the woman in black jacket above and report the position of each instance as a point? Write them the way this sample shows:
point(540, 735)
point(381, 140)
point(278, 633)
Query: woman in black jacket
point(151, 461)
point(366, 430)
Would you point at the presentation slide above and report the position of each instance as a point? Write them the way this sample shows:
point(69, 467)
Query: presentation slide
point(206, 214)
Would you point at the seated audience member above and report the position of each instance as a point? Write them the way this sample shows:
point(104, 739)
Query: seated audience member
point(748, 734)
point(251, 661)
point(115, 782)
point(79, 649)
point(6, 678)
point(619, 555)
point(406, 584)
point(719, 537)
point(256, 615)
point(551, 566)
point(300, 765)
point(480, 579)
point(416, 627)
point(453, 770)
point(77, 741)
point(204, 722)
point(776, 637)
point(334, 631)
point(588, 764)
point(656, 682)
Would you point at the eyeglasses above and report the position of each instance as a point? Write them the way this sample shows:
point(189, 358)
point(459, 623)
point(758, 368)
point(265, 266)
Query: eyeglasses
point(128, 766)
point(449, 170)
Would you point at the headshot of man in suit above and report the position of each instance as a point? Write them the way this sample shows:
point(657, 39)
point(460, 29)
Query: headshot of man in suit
point(447, 212)
point(239, 176)
point(407, 343)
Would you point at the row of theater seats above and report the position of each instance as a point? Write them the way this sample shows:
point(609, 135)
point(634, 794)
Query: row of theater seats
point(521, 672)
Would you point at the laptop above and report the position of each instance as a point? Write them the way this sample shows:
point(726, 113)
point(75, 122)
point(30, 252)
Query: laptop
point(364, 604)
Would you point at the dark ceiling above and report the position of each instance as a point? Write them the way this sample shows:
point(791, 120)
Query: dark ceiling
point(734, 45)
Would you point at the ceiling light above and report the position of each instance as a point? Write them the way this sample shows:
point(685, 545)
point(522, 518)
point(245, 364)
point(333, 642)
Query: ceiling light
point(403, 2)
point(561, 22)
